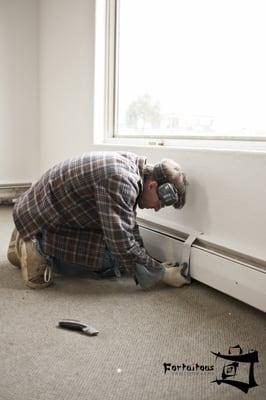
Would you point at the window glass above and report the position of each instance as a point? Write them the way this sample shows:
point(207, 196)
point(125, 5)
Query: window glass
point(191, 68)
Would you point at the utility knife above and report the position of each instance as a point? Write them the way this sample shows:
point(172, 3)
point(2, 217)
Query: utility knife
point(75, 325)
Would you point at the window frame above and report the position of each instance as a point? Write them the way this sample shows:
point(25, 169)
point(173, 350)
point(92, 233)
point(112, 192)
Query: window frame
point(109, 100)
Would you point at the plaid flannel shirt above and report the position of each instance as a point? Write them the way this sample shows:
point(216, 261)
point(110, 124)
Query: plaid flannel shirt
point(83, 205)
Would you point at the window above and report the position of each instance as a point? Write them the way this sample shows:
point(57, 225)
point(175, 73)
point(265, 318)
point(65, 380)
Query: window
point(186, 68)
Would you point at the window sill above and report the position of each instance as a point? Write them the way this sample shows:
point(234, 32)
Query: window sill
point(187, 144)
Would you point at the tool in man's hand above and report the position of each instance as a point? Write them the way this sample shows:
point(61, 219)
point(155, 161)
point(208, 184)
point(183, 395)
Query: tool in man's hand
point(75, 325)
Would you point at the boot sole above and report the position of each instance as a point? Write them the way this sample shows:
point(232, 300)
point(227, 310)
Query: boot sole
point(13, 249)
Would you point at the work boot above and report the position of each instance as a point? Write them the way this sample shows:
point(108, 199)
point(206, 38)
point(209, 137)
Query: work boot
point(36, 273)
point(14, 248)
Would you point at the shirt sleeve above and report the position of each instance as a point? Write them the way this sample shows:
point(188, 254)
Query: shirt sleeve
point(137, 234)
point(115, 199)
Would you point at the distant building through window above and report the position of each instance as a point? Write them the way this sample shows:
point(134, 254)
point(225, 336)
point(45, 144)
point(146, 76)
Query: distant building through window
point(188, 68)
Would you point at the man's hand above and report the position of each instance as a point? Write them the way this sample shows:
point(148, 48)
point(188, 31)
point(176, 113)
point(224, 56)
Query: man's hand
point(146, 278)
point(173, 275)
point(170, 273)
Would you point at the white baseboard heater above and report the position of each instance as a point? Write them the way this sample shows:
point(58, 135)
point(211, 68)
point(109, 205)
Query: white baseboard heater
point(232, 273)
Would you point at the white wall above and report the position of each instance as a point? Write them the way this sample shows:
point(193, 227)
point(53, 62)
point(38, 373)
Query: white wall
point(19, 102)
point(66, 78)
point(227, 194)
point(226, 198)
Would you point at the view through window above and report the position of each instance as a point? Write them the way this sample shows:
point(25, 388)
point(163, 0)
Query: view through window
point(191, 68)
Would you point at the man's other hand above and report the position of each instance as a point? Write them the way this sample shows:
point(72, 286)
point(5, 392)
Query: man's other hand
point(173, 275)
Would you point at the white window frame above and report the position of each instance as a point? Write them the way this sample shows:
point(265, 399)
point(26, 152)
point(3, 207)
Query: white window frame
point(106, 97)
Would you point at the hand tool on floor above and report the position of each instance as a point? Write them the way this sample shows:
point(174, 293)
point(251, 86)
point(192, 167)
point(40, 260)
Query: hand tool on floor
point(75, 325)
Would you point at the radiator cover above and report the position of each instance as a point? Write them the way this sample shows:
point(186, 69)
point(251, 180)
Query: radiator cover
point(241, 280)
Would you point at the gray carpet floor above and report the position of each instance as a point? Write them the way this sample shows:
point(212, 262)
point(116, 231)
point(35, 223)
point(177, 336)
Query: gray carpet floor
point(139, 332)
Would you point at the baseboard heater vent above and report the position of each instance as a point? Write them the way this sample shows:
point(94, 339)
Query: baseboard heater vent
point(232, 273)
point(10, 192)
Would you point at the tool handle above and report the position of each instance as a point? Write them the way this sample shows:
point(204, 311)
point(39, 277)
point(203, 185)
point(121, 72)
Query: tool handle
point(78, 326)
